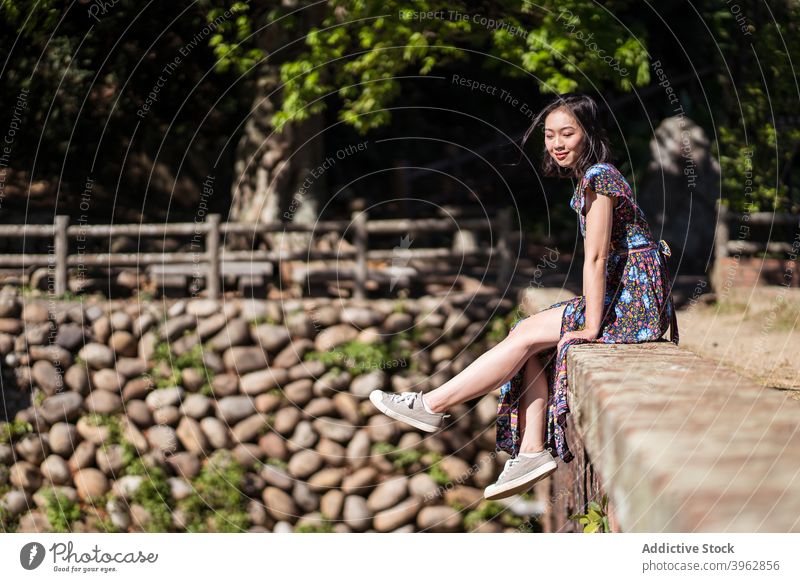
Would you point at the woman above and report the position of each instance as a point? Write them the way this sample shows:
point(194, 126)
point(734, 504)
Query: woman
point(626, 299)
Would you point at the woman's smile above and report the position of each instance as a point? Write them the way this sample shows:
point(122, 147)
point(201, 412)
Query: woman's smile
point(563, 137)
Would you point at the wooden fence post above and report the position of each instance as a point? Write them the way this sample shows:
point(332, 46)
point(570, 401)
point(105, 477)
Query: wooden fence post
point(721, 239)
point(61, 250)
point(213, 275)
point(504, 247)
point(359, 218)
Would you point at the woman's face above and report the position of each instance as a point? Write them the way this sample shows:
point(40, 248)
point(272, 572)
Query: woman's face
point(563, 137)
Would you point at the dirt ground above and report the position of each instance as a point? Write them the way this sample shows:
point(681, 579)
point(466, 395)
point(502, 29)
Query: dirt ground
point(753, 331)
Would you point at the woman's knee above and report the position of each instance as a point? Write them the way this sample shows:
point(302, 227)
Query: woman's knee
point(537, 332)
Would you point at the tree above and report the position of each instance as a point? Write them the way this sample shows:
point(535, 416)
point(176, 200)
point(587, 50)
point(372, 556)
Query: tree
point(355, 56)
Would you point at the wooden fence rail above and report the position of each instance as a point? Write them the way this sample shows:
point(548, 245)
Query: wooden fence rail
point(212, 231)
point(733, 239)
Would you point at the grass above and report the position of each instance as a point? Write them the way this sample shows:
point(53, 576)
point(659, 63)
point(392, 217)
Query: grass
point(28, 291)
point(8, 524)
point(325, 527)
point(359, 357)
point(216, 504)
point(280, 463)
point(11, 431)
point(402, 459)
point(488, 511)
point(261, 320)
point(39, 397)
point(154, 495)
point(115, 435)
point(192, 358)
point(435, 469)
point(61, 511)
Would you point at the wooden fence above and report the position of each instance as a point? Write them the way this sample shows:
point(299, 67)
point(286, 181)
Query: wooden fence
point(213, 230)
point(734, 239)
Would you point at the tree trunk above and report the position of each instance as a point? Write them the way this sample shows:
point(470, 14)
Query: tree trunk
point(271, 166)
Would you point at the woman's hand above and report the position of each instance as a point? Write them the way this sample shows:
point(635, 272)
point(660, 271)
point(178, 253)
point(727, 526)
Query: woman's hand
point(582, 334)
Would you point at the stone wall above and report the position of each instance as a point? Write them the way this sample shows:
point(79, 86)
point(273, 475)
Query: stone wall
point(206, 416)
point(679, 444)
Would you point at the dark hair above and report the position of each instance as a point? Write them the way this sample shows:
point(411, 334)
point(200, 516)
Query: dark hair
point(596, 147)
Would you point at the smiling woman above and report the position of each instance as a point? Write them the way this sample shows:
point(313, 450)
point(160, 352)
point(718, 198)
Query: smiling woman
point(626, 285)
point(625, 299)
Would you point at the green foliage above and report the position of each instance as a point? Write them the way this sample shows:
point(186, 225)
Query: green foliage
point(435, 469)
point(359, 357)
point(11, 431)
point(325, 527)
point(61, 511)
point(115, 435)
point(39, 397)
point(192, 358)
point(216, 503)
point(262, 319)
point(498, 330)
point(402, 459)
point(28, 291)
point(27, 22)
point(363, 63)
point(277, 392)
point(7, 523)
point(280, 463)
point(230, 41)
point(87, 78)
point(595, 520)
point(758, 139)
point(575, 44)
point(154, 495)
point(488, 511)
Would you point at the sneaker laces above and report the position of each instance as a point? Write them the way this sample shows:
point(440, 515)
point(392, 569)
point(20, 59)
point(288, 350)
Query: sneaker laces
point(509, 464)
point(409, 398)
point(405, 398)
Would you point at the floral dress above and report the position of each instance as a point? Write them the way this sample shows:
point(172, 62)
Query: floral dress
point(638, 307)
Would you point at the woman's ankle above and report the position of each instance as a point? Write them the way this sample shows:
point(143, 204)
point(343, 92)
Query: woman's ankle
point(531, 450)
point(429, 406)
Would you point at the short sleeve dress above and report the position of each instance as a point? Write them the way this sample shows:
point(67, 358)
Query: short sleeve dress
point(638, 306)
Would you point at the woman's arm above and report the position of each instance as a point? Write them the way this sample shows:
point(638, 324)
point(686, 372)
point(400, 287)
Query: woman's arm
point(599, 213)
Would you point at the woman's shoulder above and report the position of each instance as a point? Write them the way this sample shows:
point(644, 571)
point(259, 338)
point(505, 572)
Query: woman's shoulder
point(605, 178)
point(602, 169)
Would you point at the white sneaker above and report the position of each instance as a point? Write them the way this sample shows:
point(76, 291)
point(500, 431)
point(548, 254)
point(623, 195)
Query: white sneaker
point(407, 407)
point(520, 474)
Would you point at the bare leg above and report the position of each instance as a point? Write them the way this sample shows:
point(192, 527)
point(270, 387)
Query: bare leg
point(532, 406)
point(498, 365)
